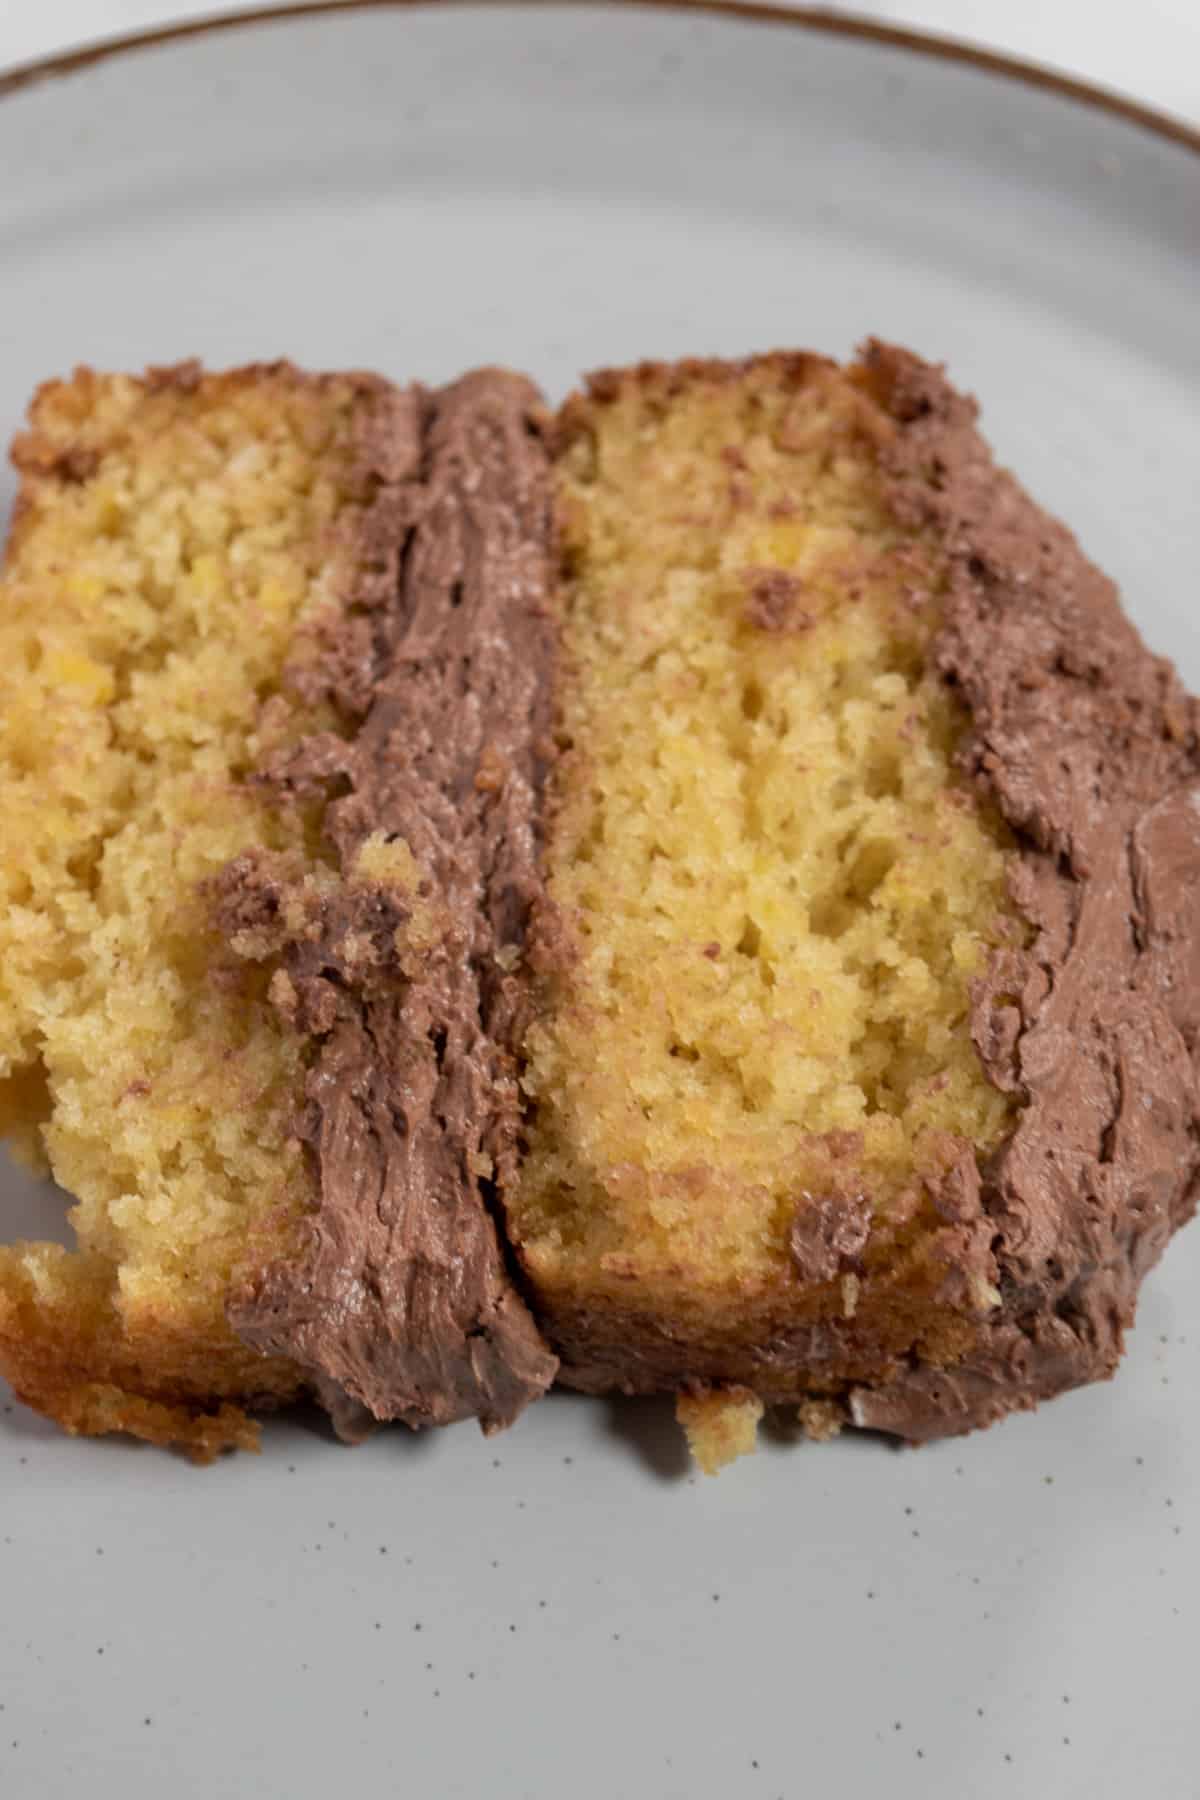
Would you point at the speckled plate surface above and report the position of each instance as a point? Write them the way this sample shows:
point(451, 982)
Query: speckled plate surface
point(566, 1610)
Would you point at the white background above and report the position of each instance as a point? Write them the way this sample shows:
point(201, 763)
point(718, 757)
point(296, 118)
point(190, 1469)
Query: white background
point(1149, 49)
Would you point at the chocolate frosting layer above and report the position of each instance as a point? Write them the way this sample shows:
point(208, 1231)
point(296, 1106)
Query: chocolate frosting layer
point(409, 968)
point(1088, 745)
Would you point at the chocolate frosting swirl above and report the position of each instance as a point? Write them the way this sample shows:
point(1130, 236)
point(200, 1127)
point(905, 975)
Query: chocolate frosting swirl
point(411, 973)
point(1088, 745)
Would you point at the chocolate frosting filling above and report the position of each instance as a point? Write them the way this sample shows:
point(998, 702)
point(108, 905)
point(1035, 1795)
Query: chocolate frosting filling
point(409, 969)
point(1088, 745)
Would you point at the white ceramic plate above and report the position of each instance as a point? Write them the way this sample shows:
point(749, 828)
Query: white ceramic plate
point(565, 1610)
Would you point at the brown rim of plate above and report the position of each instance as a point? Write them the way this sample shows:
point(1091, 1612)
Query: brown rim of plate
point(833, 24)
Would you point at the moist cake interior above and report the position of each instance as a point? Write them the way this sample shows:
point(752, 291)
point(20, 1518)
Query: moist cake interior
point(777, 887)
point(175, 537)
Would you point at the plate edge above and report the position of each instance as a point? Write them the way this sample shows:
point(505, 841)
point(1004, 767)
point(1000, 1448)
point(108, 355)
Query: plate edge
point(822, 19)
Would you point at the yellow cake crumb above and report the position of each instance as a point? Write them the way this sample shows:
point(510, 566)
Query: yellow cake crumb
point(820, 1420)
point(387, 862)
point(721, 1424)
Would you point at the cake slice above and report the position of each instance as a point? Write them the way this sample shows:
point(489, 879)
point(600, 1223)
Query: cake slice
point(227, 600)
point(691, 896)
point(869, 1084)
